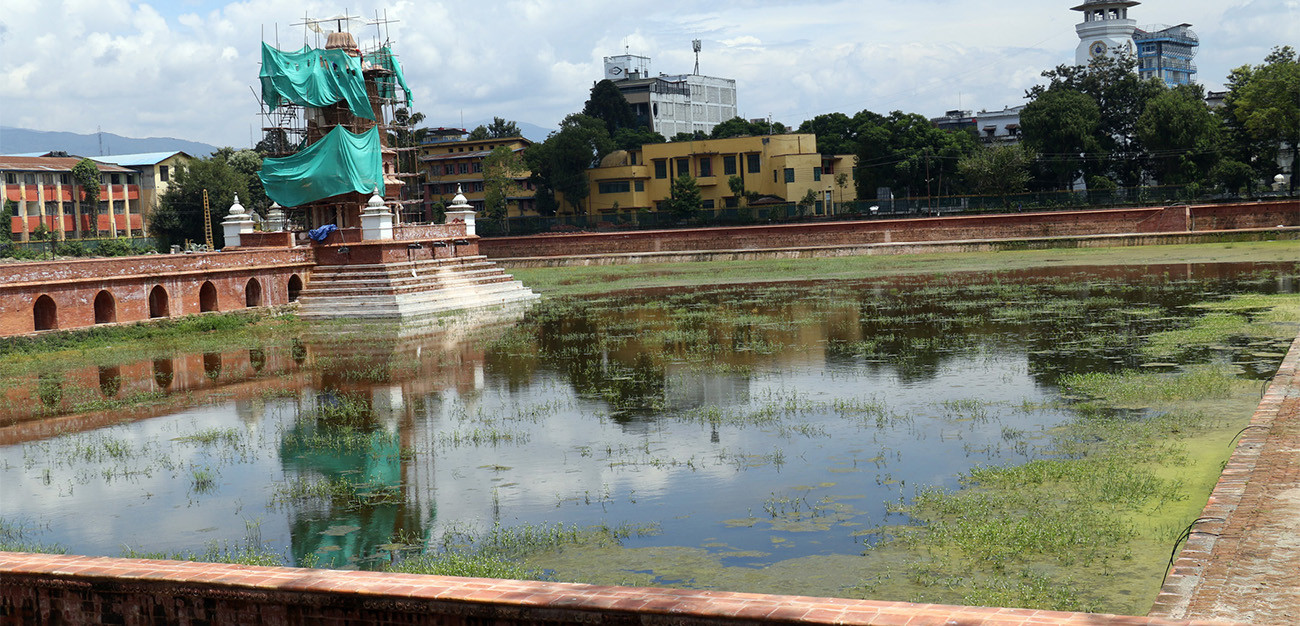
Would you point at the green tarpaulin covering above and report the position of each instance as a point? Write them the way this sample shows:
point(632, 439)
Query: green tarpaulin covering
point(340, 162)
point(316, 78)
point(384, 58)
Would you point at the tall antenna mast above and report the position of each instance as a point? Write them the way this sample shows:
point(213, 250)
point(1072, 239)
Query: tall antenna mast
point(696, 45)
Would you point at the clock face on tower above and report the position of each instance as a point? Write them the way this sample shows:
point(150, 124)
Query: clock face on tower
point(1098, 48)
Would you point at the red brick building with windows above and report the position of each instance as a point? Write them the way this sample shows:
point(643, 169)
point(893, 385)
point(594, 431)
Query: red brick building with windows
point(42, 190)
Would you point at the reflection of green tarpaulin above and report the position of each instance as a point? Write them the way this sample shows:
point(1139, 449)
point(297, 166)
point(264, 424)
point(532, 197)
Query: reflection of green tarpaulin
point(384, 58)
point(340, 162)
point(314, 78)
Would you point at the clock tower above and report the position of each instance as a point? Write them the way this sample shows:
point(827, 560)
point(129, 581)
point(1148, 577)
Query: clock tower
point(1106, 29)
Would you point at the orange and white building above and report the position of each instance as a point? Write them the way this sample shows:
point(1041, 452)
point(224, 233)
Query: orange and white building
point(43, 191)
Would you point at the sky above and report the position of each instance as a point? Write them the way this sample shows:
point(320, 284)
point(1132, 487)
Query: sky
point(188, 68)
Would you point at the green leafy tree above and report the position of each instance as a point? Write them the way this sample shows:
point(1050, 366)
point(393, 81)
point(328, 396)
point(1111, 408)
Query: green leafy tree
point(608, 105)
point(248, 163)
point(7, 220)
point(500, 169)
point(500, 128)
point(559, 164)
point(737, 185)
point(806, 203)
point(86, 173)
point(179, 216)
point(997, 171)
point(906, 153)
point(1263, 104)
point(684, 197)
point(741, 127)
point(634, 138)
point(693, 136)
point(1121, 95)
point(1060, 125)
point(1181, 135)
point(842, 182)
point(836, 133)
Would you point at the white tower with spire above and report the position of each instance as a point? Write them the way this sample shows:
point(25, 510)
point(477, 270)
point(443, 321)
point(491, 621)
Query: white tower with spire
point(1106, 29)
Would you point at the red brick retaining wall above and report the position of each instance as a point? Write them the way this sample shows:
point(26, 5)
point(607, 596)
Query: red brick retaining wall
point(74, 285)
point(957, 228)
point(36, 588)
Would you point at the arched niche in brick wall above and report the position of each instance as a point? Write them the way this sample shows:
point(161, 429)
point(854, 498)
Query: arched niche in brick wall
point(295, 288)
point(252, 293)
point(45, 313)
point(105, 307)
point(158, 302)
point(208, 297)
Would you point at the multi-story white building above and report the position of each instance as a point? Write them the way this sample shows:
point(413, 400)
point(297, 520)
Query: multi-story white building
point(672, 104)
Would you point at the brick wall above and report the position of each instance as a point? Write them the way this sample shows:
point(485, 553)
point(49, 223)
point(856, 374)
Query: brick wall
point(957, 228)
point(56, 589)
point(123, 286)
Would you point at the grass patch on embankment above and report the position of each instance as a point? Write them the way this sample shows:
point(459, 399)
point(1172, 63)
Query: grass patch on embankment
point(606, 278)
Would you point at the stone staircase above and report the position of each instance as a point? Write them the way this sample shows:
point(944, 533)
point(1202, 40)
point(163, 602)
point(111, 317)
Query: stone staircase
point(407, 291)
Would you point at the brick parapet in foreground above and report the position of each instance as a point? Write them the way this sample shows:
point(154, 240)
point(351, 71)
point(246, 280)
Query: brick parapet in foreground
point(45, 588)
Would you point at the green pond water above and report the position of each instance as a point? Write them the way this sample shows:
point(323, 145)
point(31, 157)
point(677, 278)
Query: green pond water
point(947, 438)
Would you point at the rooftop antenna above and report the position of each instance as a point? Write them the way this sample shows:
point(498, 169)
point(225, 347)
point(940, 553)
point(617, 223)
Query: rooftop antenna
point(696, 45)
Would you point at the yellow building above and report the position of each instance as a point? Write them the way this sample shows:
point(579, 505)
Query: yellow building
point(155, 171)
point(447, 161)
point(779, 168)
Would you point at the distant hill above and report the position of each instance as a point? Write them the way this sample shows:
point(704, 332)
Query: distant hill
point(22, 140)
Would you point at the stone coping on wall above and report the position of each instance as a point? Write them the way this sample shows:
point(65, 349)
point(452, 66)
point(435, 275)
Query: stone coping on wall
point(903, 247)
point(100, 269)
point(65, 587)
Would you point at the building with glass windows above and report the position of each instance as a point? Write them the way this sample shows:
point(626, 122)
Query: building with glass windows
point(672, 104)
point(1166, 52)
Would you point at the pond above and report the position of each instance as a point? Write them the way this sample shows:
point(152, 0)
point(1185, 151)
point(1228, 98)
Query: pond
point(786, 438)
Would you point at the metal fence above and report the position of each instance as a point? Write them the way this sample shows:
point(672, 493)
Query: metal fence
point(897, 208)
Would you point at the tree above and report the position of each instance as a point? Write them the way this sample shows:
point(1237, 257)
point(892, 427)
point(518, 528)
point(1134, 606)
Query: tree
point(1061, 125)
point(741, 127)
point(693, 136)
point(905, 152)
point(1181, 136)
point(7, 220)
point(86, 173)
point(500, 167)
point(684, 197)
point(737, 185)
point(248, 163)
point(836, 133)
point(997, 171)
point(842, 181)
point(560, 163)
point(1120, 95)
point(179, 216)
point(1264, 102)
point(608, 105)
point(634, 138)
point(806, 202)
point(500, 128)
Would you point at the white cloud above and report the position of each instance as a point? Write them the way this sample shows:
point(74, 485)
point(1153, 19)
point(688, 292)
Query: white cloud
point(184, 69)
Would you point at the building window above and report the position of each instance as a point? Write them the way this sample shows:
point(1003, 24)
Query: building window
point(706, 204)
point(753, 163)
point(683, 166)
point(163, 174)
point(731, 202)
point(729, 165)
point(462, 168)
point(478, 167)
point(789, 174)
point(661, 169)
point(640, 185)
point(817, 173)
point(65, 179)
point(478, 187)
point(706, 166)
point(30, 179)
point(117, 179)
point(774, 176)
point(448, 169)
point(615, 186)
point(11, 178)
